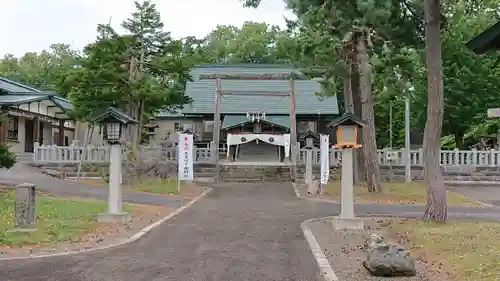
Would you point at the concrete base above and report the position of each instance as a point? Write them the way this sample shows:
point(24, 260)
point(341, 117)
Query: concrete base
point(348, 223)
point(121, 218)
point(26, 229)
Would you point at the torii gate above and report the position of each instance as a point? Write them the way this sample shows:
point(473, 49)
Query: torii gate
point(249, 76)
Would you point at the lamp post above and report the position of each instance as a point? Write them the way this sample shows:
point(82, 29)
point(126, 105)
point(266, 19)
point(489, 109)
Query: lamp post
point(113, 122)
point(309, 138)
point(347, 127)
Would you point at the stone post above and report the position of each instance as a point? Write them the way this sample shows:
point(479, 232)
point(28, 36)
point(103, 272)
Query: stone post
point(115, 213)
point(24, 208)
point(347, 219)
point(309, 170)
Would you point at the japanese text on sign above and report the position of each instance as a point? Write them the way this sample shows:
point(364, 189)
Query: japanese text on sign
point(185, 157)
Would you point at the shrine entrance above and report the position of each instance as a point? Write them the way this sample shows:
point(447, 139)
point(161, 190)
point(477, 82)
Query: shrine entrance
point(250, 147)
point(257, 138)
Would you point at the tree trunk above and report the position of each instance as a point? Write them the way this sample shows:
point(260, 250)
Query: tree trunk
point(132, 105)
point(359, 165)
point(140, 119)
point(459, 140)
point(368, 115)
point(349, 108)
point(436, 207)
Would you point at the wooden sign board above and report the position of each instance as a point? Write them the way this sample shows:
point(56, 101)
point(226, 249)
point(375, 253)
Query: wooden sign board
point(493, 112)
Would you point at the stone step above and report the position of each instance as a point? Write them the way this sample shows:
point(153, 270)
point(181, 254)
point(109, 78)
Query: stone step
point(239, 173)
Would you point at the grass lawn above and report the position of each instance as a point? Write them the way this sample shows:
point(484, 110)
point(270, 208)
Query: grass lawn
point(462, 251)
point(396, 193)
point(161, 186)
point(58, 219)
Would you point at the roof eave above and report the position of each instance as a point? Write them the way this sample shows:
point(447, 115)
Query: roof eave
point(59, 104)
point(26, 101)
point(481, 43)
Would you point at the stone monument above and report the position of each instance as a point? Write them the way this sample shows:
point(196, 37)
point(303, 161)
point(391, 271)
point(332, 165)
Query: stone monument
point(24, 208)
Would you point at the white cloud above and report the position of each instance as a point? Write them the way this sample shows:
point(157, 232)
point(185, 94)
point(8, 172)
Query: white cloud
point(32, 25)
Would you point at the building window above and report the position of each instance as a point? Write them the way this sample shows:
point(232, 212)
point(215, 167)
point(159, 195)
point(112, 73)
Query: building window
point(13, 127)
point(187, 126)
point(208, 126)
point(177, 127)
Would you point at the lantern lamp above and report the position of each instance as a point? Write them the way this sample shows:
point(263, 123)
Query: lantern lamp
point(346, 127)
point(310, 137)
point(113, 121)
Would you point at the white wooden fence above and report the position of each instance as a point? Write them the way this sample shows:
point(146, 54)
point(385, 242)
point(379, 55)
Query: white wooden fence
point(100, 154)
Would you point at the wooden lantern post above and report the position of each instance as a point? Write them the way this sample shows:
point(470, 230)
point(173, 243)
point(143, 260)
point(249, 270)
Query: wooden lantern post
point(347, 127)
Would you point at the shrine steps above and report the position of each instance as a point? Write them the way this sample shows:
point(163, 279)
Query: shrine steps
point(254, 172)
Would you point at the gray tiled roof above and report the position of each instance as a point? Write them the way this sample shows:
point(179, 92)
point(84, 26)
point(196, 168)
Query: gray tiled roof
point(16, 99)
point(62, 103)
point(24, 92)
point(203, 92)
point(14, 87)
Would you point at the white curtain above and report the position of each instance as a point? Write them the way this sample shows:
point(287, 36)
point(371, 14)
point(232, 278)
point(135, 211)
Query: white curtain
point(280, 140)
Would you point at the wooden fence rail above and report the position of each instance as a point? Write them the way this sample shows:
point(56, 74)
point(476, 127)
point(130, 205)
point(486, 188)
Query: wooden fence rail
point(100, 154)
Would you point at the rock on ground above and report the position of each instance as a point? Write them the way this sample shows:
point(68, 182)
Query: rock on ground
point(345, 251)
point(390, 260)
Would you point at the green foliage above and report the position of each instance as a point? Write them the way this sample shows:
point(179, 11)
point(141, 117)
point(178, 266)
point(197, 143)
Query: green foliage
point(45, 71)
point(99, 76)
point(7, 158)
point(145, 66)
point(470, 81)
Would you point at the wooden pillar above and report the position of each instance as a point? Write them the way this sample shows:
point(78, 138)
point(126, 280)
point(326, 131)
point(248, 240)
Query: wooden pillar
point(216, 132)
point(36, 129)
point(293, 130)
point(60, 140)
point(4, 125)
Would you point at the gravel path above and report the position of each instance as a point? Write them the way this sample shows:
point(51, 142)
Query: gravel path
point(344, 251)
point(483, 193)
point(238, 232)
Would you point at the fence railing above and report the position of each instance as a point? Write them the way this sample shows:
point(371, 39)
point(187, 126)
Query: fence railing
point(100, 154)
point(70, 154)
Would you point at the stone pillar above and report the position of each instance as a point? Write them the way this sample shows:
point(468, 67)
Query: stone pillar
point(347, 219)
point(24, 209)
point(347, 185)
point(309, 168)
point(115, 200)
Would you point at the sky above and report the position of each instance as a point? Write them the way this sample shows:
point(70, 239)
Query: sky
point(32, 25)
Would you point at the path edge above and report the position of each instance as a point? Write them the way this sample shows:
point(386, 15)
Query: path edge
point(326, 270)
point(131, 239)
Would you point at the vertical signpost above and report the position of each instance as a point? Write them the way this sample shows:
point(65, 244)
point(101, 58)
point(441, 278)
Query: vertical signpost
point(325, 160)
point(185, 159)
